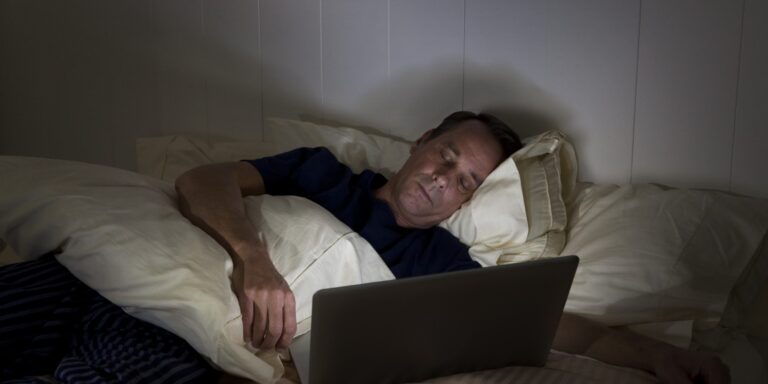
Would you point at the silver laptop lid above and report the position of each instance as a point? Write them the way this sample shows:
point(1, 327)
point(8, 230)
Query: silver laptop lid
point(416, 328)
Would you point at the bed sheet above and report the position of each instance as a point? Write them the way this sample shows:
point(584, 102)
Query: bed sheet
point(560, 368)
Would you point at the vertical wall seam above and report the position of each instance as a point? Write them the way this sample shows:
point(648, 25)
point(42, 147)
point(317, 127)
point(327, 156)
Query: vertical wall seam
point(206, 56)
point(464, 58)
point(322, 69)
point(736, 96)
point(637, 76)
point(389, 120)
point(260, 69)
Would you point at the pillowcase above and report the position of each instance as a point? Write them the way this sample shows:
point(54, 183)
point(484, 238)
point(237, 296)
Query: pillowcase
point(519, 212)
point(357, 149)
point(121, 234)
point(167, 157)
point(494, 219)
point(651, 254)
point(7, 255)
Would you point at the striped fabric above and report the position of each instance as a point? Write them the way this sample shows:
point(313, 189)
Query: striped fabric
point(52, 323)
point(561, 368)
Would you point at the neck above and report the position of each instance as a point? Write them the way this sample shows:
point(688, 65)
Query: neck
point(385, 194)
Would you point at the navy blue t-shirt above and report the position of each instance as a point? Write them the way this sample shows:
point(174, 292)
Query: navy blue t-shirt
point(314, 173)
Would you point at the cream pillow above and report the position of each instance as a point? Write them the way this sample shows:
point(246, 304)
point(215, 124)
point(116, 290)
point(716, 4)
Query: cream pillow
point(519, 212)
point(548, 169)
point(167, 157)
point(122, 234)
point(651, 254)
point(494, 219)
point(355, 148)
point(7, 255)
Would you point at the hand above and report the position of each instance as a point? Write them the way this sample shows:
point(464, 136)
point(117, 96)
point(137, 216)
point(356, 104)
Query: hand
point(266, 303)
point(690, 367)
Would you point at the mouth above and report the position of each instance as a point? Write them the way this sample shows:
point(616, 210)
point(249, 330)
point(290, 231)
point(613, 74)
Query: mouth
point(423, 191)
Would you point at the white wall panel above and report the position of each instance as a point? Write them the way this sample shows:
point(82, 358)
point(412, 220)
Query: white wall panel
point(750, 175)
point(82, 130)
point(181, 66)
point(505, 56)
point(559, 64)
point(26, 34)
point(686, 92)
point(355, 74)
point(592, 62)
point(291, 56)
point(131, 96)
point(652, 90)
point(426, 51)
point(233, 81)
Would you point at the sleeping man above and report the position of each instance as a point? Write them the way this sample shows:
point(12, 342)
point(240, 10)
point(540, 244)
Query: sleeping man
point(398, 217)
point(52, 323)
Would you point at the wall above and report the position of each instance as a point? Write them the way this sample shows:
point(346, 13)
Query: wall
point(649, 90)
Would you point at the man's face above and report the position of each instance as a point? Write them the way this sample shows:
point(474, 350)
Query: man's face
point(441, 174)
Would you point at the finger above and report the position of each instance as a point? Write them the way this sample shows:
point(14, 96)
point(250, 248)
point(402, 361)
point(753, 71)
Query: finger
point(246, 311)
point(289, 321)
point(259, 321)
point(275, 322)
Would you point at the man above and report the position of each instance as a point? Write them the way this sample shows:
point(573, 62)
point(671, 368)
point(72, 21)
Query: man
point(398, 217)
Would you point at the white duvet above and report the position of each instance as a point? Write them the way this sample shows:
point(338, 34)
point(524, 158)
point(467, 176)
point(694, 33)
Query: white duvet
point(122, 234)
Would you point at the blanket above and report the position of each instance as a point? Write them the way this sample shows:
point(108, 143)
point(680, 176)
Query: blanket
point(122, 234)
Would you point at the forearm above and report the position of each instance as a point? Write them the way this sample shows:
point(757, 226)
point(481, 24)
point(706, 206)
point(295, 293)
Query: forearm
point(578, 335)
point(211, 198)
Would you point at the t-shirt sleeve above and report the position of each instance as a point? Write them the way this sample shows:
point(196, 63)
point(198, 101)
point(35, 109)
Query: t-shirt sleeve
point(300, 172)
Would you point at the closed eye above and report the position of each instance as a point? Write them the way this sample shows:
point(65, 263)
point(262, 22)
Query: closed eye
point(465, 185)
point(446, 156)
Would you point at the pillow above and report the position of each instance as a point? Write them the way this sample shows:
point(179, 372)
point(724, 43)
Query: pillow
point(651, 254)
point(122, 234)
point(519, 212)
point(167, 157)
point(741, 337)
point(355, 148)
point(7, 255)
point(494, 219)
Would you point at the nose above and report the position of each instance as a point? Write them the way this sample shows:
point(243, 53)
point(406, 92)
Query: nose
point(440, 180)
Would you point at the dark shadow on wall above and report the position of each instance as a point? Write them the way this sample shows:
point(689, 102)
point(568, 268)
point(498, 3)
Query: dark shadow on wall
point(404, 106)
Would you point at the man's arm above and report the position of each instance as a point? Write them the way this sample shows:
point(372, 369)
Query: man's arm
point(670, 364)
point(211, 196)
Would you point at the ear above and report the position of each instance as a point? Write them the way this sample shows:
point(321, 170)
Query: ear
point(424, 137)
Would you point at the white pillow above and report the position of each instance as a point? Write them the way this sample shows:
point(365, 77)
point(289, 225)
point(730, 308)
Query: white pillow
point(355, 148)
point(650, 254)
point(494, 219)
point(167, 157)
point(519, 212)
point(7, 255)
point(122, 234)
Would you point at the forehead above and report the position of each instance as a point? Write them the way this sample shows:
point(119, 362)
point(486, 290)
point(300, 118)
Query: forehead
point(474, 143)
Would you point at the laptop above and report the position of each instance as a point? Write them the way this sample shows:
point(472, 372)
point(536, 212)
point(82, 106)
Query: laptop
point(423, 327)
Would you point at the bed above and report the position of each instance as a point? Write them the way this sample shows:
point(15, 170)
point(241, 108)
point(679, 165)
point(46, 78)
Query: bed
point(685, 266)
